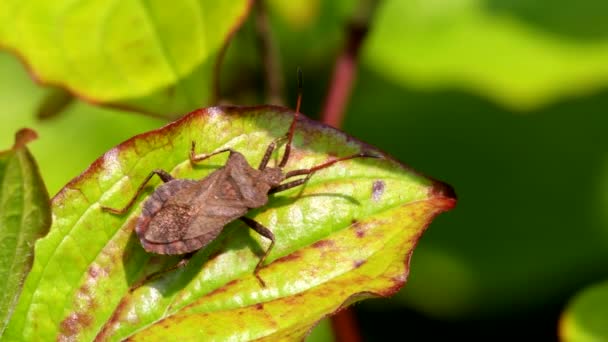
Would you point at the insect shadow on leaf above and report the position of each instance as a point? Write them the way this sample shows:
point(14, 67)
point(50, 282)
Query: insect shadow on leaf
point(183, 215)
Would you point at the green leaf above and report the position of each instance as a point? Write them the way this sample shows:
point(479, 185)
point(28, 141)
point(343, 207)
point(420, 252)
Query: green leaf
point(586, 316)
point(323, 332)
point(25, 216)
point(348, 234)
point(521, 53)
point(73, 139)
point(152, 56)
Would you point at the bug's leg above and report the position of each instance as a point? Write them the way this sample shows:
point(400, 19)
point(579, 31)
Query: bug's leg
point(269, 151)
point(164, 176)
point(265, 232)
point(157, 274)
point(289, 185)
point(197, 158)
point(292, 127)
point(327, 164)
point(311, 171)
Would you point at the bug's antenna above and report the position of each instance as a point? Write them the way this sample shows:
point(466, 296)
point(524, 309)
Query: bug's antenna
point(292, 127)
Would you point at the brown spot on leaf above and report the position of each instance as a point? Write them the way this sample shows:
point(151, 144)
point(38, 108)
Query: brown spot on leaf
point(293, 300)
point(259, 306)
point(359, 228)
point(93, 272)
point(323, 244)
point(358, 263)
point(377, 190)
point(113, 252)
point(84, 290)
point(72, 325)
point(289, 257)
point(231, 283)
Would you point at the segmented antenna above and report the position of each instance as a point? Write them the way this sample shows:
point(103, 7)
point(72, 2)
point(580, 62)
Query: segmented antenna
point(292, 127)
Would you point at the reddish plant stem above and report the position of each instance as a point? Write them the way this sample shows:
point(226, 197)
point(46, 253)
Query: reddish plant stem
point(345, 70)
point(343, 77)
point(344, 325)
point(342, 82)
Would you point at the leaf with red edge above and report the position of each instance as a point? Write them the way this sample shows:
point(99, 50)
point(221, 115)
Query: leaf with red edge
point(346, 235)
point(151, 56)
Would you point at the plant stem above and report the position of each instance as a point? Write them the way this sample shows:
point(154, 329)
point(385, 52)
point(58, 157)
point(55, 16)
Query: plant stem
point(345, 68)
point(344, 325)
point(343, 78)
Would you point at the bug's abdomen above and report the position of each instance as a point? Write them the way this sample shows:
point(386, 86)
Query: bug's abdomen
point(161, 227)
point(183, 216)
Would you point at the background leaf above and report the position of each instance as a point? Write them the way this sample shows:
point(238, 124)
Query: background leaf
point(341, 238)
point(520, 53)
point(25, 216)
point(142, 55)
point(71, 141)
point(586, 315)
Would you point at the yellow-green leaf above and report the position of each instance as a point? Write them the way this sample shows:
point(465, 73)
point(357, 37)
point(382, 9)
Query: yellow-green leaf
point(348, 234)
point(149, 55)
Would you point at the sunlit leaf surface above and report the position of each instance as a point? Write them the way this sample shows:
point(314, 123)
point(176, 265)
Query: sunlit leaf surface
point(143, 55)
point(346, 235)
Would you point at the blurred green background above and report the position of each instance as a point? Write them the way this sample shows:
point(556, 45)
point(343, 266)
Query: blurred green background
point(507, 101)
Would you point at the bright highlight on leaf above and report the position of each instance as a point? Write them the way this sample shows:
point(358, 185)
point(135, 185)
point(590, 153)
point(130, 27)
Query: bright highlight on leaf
point(586, 316)
point(346, 235)
point(25, 215)
point(143, 55)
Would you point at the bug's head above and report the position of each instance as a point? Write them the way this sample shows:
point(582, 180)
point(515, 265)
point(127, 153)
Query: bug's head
point(273, 176)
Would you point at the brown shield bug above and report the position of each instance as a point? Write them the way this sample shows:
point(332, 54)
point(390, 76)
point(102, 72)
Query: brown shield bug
point(183, 215)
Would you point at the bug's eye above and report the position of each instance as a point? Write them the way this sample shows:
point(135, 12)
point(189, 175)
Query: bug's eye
point(273, 176)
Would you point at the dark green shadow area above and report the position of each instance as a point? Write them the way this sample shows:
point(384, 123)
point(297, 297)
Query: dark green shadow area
point(584, 19)
point(529, 228)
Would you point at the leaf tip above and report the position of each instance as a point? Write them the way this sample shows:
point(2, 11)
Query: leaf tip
point(23, 137)
point(444, 195)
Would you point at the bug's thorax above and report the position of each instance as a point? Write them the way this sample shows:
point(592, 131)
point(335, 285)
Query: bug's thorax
point(273, 176)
